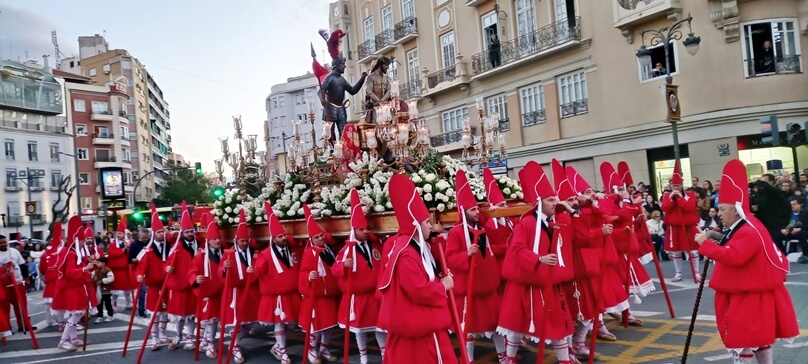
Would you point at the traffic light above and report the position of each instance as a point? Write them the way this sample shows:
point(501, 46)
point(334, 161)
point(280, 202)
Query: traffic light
point(198, 167)
point(218, 191)
point(137, 216)
point(795, 134)
point(770, 130)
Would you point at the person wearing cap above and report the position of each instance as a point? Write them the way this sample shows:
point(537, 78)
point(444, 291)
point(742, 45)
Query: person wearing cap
point(753, 308)
point(72, 295)
point(239, 299)
point(414, 310)
point(118, 255)
point(539, 258)
point(681, 220)
point(48, 269)
point(182, 303)
point(320, 290)
point(468, 248)
point(360, 262)
point(277, 269)
point(611, 293)
point(103, 278)
point(151, 271)
point(207, 285)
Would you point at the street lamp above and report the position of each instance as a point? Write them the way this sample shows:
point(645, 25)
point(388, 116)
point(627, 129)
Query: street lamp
point(664, 37)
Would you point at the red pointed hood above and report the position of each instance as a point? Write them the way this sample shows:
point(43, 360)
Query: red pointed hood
point(541, 186)
point(625, 174)
point(122, 225)
point(677, 178)
point(579, 184)
point(494, 194)
point(212, 230)
point(611, 180)
point(358, 219)
point(527, 180)
point(563, 186)
point(311, 225)
point(56, 236)
point(735, 185)
point(156, 224)
point(241, 230)
point(275, 227)
point(88, 232)
point(465, 198)
point(75, 230)
point(185, 221)
point(409, 208)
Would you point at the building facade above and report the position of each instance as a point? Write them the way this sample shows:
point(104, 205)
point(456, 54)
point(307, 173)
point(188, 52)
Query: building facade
point(35, 139)
point(160, 129)
point(565, 81)
point(103, 66)
point(285, 104)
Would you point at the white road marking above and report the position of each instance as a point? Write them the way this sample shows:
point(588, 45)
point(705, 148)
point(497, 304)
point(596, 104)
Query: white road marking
point(645, 313)
point(718, 357)
point(796, 283)
point(796, 345)
point(53, 351)
point(93, 330)
point(62, 358)
point(710, 318)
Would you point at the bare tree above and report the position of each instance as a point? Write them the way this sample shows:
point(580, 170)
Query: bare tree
point(59, 211)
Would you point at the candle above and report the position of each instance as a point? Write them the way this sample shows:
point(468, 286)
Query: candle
point(466, 123)
point(466, 140)
point(338, 149)
point(502, 140)
point(394, 88)
point(478, 103)
point(327, 129)
point(310, 105)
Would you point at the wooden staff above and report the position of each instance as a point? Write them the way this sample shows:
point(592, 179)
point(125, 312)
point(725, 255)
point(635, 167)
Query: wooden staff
point(695, 311)
point(346, 343)
point(307, 343)
point(543, 331)
point(662, 282)
point(596, 320)
point(173, 259)
point(26, 323)
point(198, 329)
point(688, 232)
point(453, 308)
point(475, 260)
point(239, 304)
point(222, 315)
point(131, 320)
point(87, 316)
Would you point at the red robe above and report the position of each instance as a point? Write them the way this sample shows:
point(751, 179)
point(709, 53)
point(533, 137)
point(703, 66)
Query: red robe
point(119, 264)
point(362, 300)
point(181, 300)
point(752, 305)
point(484, 301)
point(613, 292)
point(49, 269)
point(681, 219)
point(72, 293)
point(322, 294)
point(242, 291)
point(532, 295)
point(415, 309)
point(280, 299)
point(587, 248)
point(209, 292)
point(628, 247)
point(153, 269)
point(5, 324)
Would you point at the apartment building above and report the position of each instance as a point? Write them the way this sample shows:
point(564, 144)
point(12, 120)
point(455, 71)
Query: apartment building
point(160, 129)
point(35, 139)
point(286, 103)
point(567, 84)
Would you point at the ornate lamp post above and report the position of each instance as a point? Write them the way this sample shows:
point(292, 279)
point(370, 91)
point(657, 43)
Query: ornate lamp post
point(394, 128)
point(243, 161)
point(664, 36)
point(483, 145)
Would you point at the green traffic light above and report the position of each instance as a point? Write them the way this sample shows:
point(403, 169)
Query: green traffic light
point(198, 167)
point(218, 192)
point(137, 216)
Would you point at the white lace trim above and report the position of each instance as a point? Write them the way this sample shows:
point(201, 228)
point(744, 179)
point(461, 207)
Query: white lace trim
point(643, 289)
point(619, 308)
point(505, 332)
point(647, 258)
point(359, 330)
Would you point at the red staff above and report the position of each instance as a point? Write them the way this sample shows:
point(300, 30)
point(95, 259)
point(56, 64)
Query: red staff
point(173, 258)
point(452, 307)
point(307, 343)
point(346, 343)
point(222, 316)
point(240, 302)
point(131, 319)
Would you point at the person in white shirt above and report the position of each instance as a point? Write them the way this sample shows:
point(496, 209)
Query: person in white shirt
point(14, 293)
point(657, 230)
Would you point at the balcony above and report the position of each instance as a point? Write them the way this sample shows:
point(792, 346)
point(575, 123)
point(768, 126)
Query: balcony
point(405, 30)
point(475, 3)
point(574, 108)
point(103, 139)
point(101, 115)
point(123, 117)
point(446, 79)
point(546, 40)
point(38, 219)
point(504, 125)
point(534, 118)
point(629, 13)
point(409, 90)
point(29, 89)
point(366, 50)
point(14, 187)
point(384, 41)
point(15, 221)
point(449, 140)
point(106, 162)
point(778, 65)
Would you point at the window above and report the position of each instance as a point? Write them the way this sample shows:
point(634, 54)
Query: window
point(9, 149)
point(275, 103)
point(532, 98)
point(105, 68)
point(453, 119)
point(56, 179)
point(498, 105)
point(565, 14)
point(298, 99)
point(392, 71)
point(11, 178)
point(572, 94)
point(101, 132)
point(35, 183)
point(489, 22)
point(771, 47)
point(387, 18)
point(86, 203)
point(100, 107)
point(103, 155)
point(84, 178)
point(92, 72)
point(79, 106)
point(407, 9)
point(412, 65)
point(657, 67)
point(525, 19)
point(33, 156)
point(82, 154)
point(447, 44)
point(125, 133)
point(54, 152)
point(369, 36)
point(126, 154)
point(81, 129)
point(281, 101)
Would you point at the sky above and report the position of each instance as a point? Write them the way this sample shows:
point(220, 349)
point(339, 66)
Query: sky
point(213, 59)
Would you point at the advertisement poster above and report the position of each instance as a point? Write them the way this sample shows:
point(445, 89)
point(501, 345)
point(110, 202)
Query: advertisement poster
point(112, 183)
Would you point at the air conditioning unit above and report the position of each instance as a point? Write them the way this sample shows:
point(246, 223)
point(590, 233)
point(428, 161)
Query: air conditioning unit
point(135, 174)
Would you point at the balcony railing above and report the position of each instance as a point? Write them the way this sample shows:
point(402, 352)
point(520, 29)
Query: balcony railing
point(406, 28)
point(367, 49)
point(102, 112)
point(533, 117)
point(574, 108)
point(122, 113)
point(450, 137)
point(103, 135)
point(447, 74)
point(105, 158)
point(16, 221)
point(504, 125)
point(544, 38)
point(385, 39)
point(38, 219)
point(409, 90)
point(777, 65)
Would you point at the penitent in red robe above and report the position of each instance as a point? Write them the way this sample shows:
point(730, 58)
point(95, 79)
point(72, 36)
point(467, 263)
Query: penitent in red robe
point(208, 293)
point(119, 264)
point(153, 269)
point(362, 300)
point(681, 219)
point(181, 299)
point(280, 299)
point(241, 293)
point(72, 293)
point(321, 296)
point(587, 250)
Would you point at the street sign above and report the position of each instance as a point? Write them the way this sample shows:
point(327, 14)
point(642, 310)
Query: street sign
point(31, 208)
point(497, 167)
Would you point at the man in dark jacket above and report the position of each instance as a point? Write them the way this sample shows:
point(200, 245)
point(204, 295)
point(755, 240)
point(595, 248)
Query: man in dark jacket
point(134, 250)
point(770, 208)
point(797, 228)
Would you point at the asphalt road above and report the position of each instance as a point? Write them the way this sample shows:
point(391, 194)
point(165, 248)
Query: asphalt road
point(660, 340)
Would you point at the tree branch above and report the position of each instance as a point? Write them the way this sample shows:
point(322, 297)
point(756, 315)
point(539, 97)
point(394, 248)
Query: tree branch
point(57, 211)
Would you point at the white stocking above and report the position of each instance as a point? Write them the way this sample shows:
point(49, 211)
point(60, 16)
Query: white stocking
point(381, 339)
point(581, 329)
point(325, 337)
point(499, 343)
point(49, 317)
point(512, 342)
point(562, 350)
point(677, 262)
point(470, 346)
point(71, 332)
point(280, 335)
point(764, 355)
point(180, 329)
point(694, 257)
point(745, 356)
point(362, 343)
